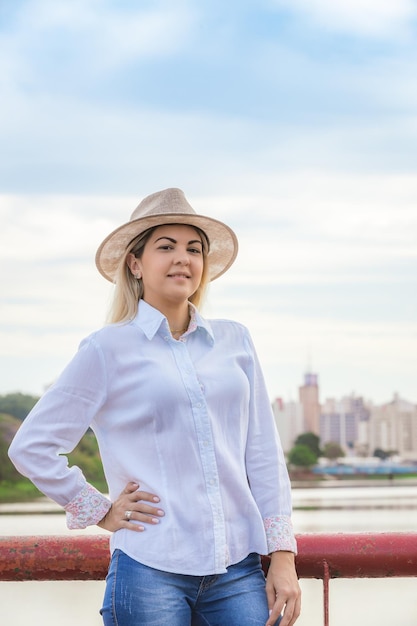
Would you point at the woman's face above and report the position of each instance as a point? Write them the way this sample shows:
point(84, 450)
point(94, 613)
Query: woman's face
point(171, 265)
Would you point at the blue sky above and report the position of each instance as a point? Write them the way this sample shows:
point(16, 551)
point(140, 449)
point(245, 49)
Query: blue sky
point(294, 121)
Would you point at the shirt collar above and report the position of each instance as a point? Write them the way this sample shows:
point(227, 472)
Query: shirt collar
point(198, 322)
point(150, 321)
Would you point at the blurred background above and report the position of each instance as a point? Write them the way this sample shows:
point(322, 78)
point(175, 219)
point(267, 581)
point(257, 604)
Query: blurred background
point(293, 121)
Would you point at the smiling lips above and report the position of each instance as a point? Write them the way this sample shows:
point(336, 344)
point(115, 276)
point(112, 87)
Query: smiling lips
point(178, 275)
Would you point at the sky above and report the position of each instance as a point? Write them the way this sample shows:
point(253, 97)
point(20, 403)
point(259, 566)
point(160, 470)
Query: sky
point(294, 121)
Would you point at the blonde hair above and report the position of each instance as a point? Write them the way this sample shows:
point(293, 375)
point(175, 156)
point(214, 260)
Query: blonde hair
point(129, 290)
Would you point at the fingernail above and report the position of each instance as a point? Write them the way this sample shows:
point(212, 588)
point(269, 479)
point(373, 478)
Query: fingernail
point(155, 499)
point(160, 512)
point(155, 520)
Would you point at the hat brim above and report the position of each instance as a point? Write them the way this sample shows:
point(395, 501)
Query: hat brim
point(223, 242)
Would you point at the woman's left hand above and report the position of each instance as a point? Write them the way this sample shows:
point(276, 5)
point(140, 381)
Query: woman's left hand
point(282, 589)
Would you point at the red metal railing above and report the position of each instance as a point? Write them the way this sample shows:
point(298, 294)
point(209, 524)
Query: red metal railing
point(321, 556)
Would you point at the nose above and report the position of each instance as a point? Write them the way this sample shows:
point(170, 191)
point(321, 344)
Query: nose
point(182, 257)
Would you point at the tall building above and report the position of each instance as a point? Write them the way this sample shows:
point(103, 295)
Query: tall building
point(393, 427)
point(289, 421)
point(309, 399)
point(345, 422)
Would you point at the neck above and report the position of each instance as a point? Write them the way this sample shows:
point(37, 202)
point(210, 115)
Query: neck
point(178, 321)
point(178, 315)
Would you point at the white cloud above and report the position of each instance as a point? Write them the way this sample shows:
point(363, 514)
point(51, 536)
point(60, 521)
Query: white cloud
point(304, 228)
point(312, 192)
point(55, 226)
point(370, 18)
point(71, 41)
point(298, 228)
point(55, 137)
point(311, 227)
point(294, 226)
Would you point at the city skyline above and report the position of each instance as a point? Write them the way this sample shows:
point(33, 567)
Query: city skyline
point(292, 122)
point(356, 425)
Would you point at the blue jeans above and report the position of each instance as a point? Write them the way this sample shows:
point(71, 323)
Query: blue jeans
point(137, 595)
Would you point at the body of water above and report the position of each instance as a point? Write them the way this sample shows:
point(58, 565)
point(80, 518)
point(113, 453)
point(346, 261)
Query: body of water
point(364, 602)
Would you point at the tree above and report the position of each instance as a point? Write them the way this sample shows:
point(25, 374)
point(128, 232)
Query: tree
point(384, 454)
point(312, 442)
point(17, 404)
point(87, 456)
point(7, 469)
point(332, 450)
point(302, 456)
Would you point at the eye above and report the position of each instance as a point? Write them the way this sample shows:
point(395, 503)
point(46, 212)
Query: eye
point(194, 250)
point(165, 246)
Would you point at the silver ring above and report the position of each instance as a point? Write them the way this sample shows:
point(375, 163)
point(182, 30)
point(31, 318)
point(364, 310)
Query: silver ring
point(128, 514)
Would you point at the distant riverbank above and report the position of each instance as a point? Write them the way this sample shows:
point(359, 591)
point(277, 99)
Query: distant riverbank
point(354, 482)
point(308, 495)
point(14, 498)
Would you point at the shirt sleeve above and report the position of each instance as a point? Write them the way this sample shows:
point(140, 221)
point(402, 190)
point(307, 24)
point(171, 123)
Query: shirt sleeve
point(265, 463)
point(55, 426)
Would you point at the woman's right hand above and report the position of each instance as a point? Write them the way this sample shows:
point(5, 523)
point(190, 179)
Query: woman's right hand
point(130, 508)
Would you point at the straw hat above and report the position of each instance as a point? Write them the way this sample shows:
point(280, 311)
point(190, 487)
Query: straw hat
point(168, 207)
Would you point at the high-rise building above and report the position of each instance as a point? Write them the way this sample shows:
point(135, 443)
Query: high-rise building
point(345, 422)
point(393, 427)
point(289, 421)
point(309, 399)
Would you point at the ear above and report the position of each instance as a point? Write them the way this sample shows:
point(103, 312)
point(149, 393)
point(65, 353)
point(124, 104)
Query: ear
point(134, 265)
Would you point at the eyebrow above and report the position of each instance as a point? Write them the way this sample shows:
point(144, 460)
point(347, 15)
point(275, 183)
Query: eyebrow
point(175, 241)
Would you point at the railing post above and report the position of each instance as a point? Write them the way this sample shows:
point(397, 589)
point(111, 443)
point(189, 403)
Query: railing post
point(326, 591)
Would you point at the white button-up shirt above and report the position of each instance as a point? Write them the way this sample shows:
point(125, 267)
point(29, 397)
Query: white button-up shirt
point(188, 420)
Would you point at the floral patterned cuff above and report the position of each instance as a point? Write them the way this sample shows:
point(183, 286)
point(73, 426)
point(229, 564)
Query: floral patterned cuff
point(87, 508)
point(280, 534)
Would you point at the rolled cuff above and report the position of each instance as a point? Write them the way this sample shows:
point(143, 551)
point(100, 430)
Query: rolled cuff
point(280, 534)
point(87, 508)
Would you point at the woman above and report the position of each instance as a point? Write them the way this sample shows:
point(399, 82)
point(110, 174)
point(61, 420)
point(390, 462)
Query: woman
point(197, 480)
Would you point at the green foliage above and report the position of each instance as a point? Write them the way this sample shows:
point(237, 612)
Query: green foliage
point(15, 488)
point(7, 470)
point(87, 456)
point(18, 491)
point(8, 428)
point(384, 454)
point(302, 456)
point(312, 442)
point(332, 450)
point(17, 404)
